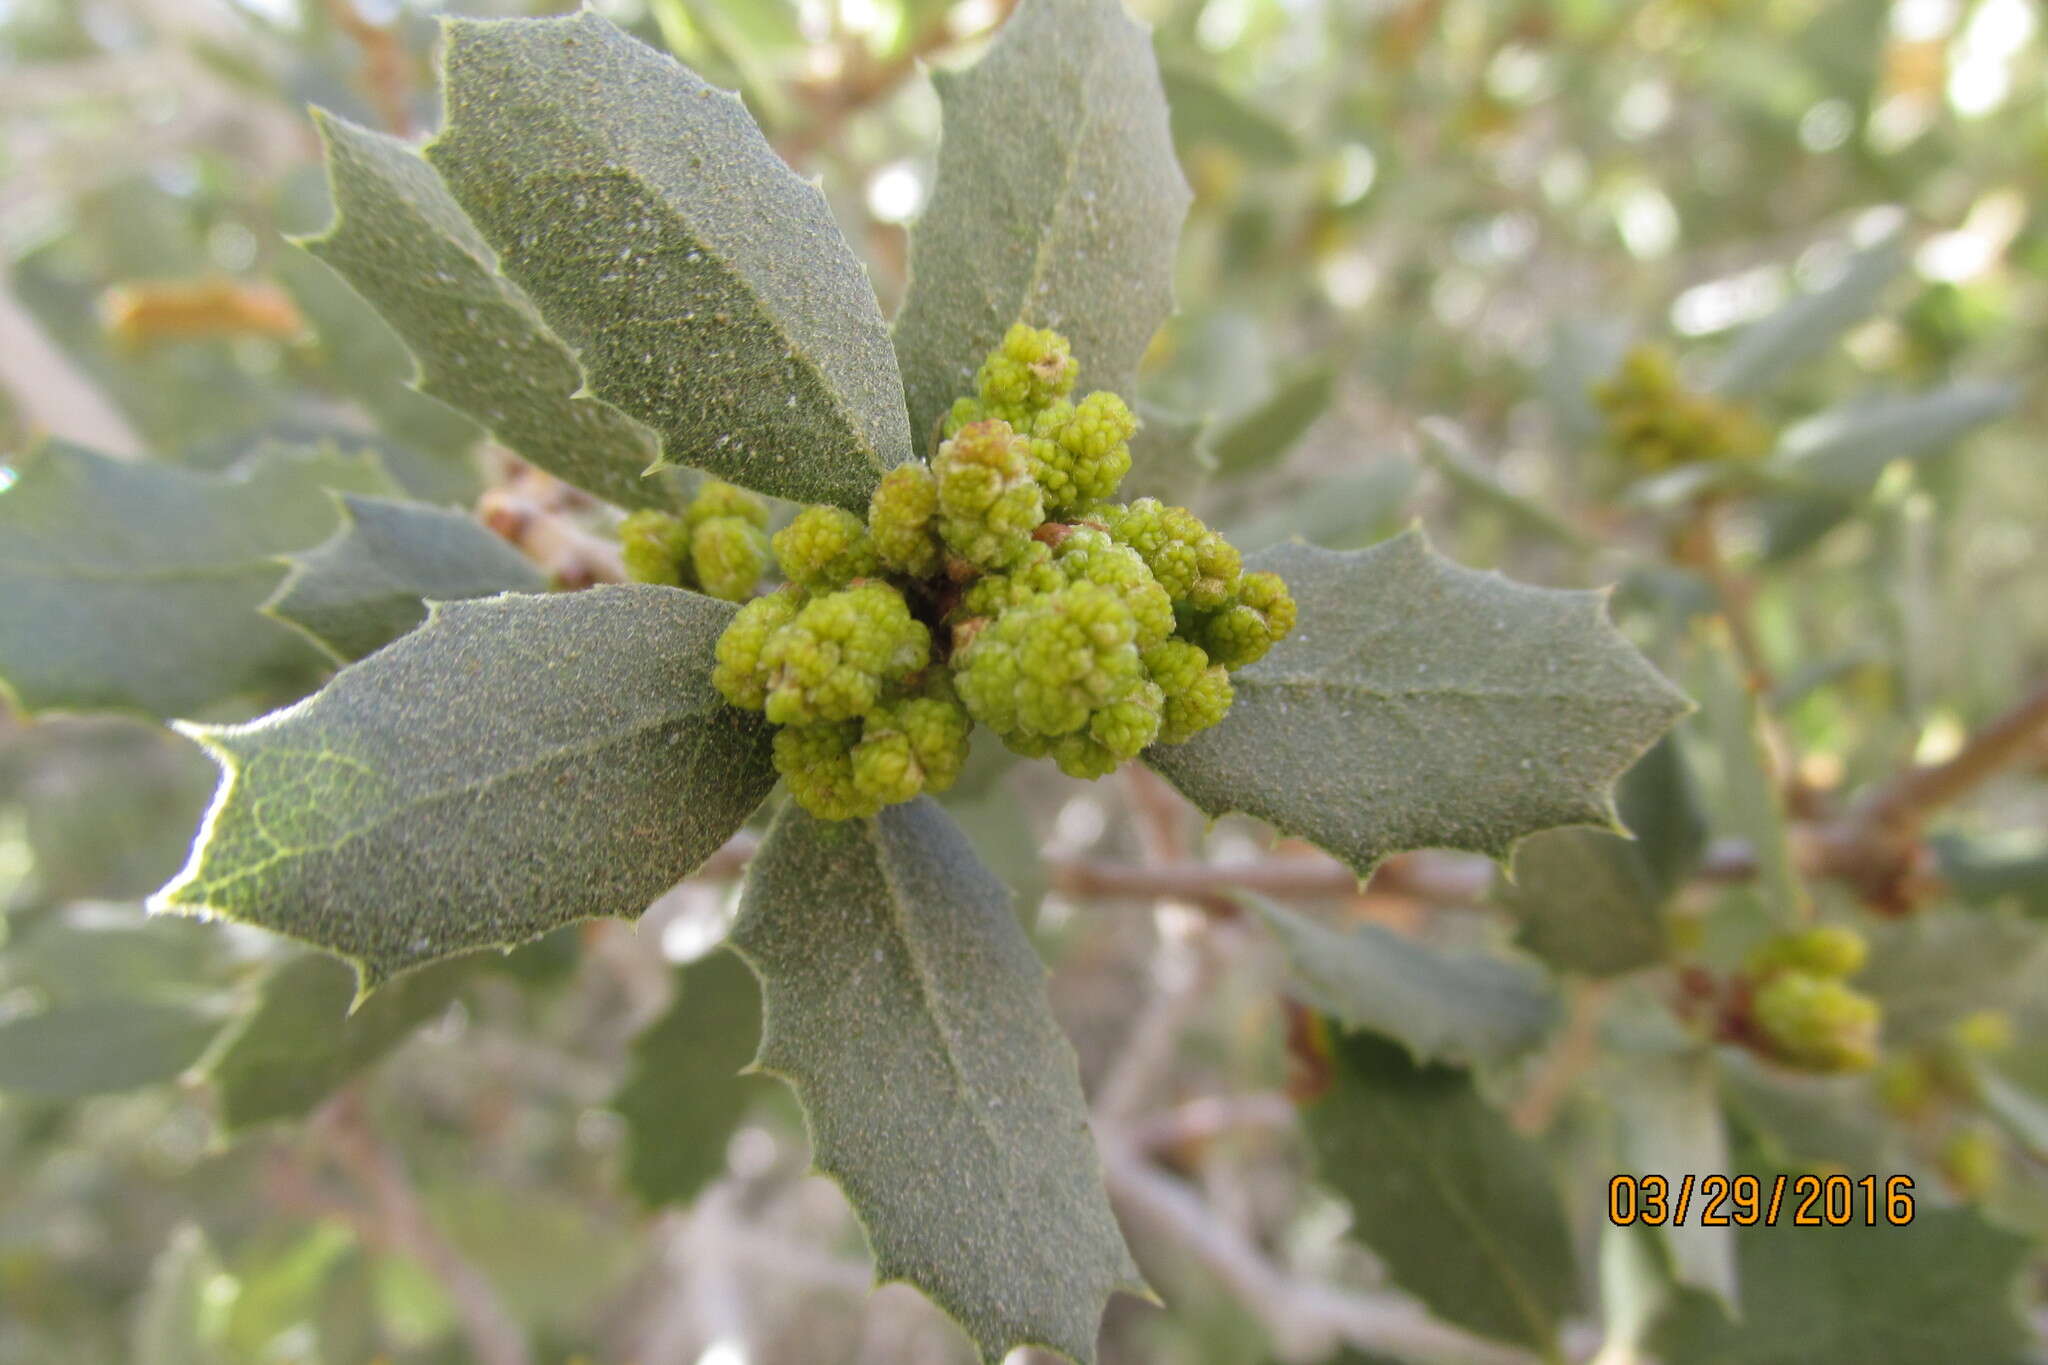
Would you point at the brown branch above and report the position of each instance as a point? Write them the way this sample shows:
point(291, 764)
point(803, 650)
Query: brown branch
point(53, 396)
point(1305, 1318)
point(1210, 1117)
point(1576, 1051)
point(1877, 847)
point(1437, 877)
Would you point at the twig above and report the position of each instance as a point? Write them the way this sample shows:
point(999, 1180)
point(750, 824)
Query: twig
point(1907, 800)
point(1211, 1117)
point(861, 83)
point(1437, 877)
point(494, 1335)
point(1877, 847)
point(1576, 1050)
point(1305, 1318)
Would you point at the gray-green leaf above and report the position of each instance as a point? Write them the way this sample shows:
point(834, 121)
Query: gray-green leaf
point(1460, 1008)
point(300, 1041)
point(173, 1324)
point(1267, 430)
point(1593, 902)
point(404, 244)
point(907, 1008)
point(513, 765)
point(1664, 1088)
point(370, 582)
point(685, 1094)
point(1809, 323)
point(1058, 202)
point(1844, 450)
point(1940, 1290)
point(1419, 704)
point(703, 285)
point(94, 1047)
point(1459, 1206)
point(135, 586)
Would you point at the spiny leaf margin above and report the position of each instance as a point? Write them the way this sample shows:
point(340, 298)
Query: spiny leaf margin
point(478, 344)
point(704, 286)
point(604, 693)
point(908, 895)
point(1058, 202)
point(1322, 741)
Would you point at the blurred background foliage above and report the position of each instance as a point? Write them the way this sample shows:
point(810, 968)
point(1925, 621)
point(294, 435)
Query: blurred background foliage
point(1424, 231)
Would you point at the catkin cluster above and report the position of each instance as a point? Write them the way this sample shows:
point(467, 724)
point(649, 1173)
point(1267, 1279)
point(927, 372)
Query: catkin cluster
point(1655, 423)
point(718, 546)
point(997, 585)
point(1805, 1012)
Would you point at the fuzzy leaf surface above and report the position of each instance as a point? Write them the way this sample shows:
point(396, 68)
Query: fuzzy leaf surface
point(1942, 1289)
point(370, 582)
point(703, 285)
point(135, 586)
point(1420, 704)
point(1058, 202)
point(907, 1009)
point(1458, 1008)
point(402, 241)
point(1459, 1206)
point(515, 764)
point(684, 1094)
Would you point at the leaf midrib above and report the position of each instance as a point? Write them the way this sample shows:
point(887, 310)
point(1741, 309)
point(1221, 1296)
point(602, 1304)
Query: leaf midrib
point(1477, 1225)
point(540, 764)
point(1041, 256)
point(598, 136)
point(933, 1001)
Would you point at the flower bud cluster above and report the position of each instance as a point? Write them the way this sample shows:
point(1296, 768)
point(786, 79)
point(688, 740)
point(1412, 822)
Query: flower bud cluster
point(1655, 423)
point(996, 585)
point(719, 545)
point(1806, 1015)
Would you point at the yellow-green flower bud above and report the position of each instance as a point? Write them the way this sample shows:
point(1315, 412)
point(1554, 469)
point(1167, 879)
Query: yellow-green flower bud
point(739, 675)
point(903, 520)
point(1817, 1023)
point(1030, 369)
point(825, 548)
point(1823, 949)
point(988, 502)
point(729, 555)
point(715, 499)
point(655, 546)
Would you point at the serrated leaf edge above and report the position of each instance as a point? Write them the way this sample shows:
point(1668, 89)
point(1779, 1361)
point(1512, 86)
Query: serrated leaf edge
point(1609, 820)
point(450, 24)
point(1135, 1286)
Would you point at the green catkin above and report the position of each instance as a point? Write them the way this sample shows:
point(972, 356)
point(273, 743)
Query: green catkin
point(988, 504)
point(717, 544)
point(1817, 1023)
point(1075, 628)
point(824, 548)
point(903, 520)
point(1656, 423)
